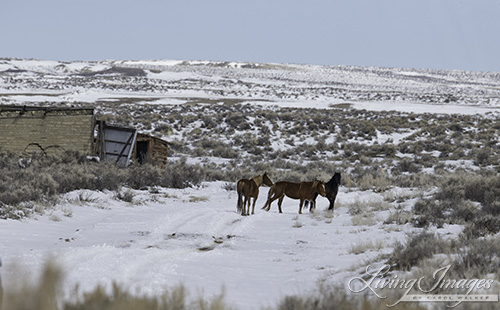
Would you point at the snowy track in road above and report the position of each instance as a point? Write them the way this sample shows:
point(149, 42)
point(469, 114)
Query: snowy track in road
point(160, 242)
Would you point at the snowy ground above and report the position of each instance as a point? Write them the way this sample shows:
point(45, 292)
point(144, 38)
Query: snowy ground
point(194, 237)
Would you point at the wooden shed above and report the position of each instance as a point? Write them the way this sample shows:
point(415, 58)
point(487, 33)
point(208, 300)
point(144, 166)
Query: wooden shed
point(125, 145)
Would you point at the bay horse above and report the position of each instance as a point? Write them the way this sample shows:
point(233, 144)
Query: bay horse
point(305, 191)
point(332, 189)
point(249, 188)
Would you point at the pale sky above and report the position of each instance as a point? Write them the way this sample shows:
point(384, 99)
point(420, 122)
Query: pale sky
point(441, 34)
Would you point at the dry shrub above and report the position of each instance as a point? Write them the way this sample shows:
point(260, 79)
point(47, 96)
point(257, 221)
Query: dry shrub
point(47, 176)
point(415, 250)
point(400, 217)
point(127, 195)
point(484, 189)
point(367, 207)
point(364, 246)
point(365, 219)
point(41, 296)
point(44, 177)
point(407, 165)
point(46, 294)
point(142, 176)
point(333, 298)
point(418, 180)
point(377, 183)
point(480, 226)
point(181, 175)
point(371, 178)
point(478, 258)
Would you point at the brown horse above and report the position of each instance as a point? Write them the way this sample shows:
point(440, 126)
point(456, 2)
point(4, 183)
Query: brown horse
point(249, 188)
point(305, 191)
point(332, 189)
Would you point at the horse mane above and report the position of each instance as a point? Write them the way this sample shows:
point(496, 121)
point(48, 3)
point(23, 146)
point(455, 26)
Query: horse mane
point(335, 180)
point(257, 179)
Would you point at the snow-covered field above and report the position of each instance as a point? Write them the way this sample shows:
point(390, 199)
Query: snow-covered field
point(194, 236)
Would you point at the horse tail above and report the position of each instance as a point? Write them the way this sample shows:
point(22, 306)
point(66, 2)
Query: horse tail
point(269, 195)
point(239, 206)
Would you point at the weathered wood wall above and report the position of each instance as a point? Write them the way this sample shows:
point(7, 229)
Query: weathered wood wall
point(27, 130)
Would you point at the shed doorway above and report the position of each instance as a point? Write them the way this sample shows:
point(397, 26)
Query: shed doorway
point(142, 151)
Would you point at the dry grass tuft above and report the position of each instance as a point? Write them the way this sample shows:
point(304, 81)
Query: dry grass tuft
point(46, 294)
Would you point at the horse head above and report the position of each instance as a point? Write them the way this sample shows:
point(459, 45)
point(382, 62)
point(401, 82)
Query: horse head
point(335, 180)
point(320, 187)
point(266, 180)
point(336, 176)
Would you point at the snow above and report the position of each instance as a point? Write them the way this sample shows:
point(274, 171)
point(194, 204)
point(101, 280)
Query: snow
point(396, 138)
point(164, 62)
point(425, 108)
point(170, 238)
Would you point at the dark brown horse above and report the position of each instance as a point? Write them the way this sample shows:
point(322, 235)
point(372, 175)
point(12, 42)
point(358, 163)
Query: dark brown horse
point(305, 191)
point(249, 188)
point(332, 189)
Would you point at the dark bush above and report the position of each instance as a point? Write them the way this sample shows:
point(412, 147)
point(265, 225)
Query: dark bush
point(416, 249)
point(428, 211)
point(492, 208)
point(142, 176)
point(181, 175)
point(478, 258)
point(481, 226)
point(407, 165)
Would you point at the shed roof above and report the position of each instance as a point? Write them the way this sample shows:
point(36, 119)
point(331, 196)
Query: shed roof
point(24, 108)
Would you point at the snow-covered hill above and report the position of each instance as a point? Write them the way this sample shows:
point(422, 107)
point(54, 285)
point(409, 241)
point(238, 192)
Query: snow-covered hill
point(33, 81)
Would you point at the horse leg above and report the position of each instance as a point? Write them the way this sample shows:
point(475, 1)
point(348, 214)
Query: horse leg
point(245, 203)
point(267, 206)
point(280, 201)
point(270, 198)
point(313, 206)
point(332, 201)
point(313, 202)
point(256, 195)
point(300, 205)
point(239, 205)
point(248, 205)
